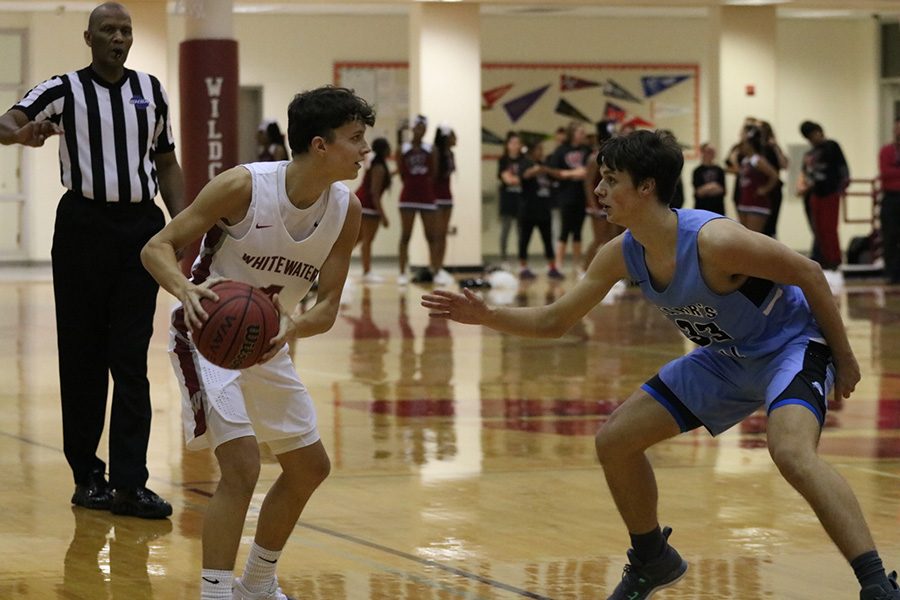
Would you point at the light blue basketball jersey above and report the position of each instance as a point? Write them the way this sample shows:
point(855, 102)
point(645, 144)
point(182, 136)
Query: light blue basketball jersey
point(753, 321)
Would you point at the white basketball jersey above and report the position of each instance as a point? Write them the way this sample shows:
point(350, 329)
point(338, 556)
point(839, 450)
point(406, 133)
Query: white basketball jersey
point(266, 252)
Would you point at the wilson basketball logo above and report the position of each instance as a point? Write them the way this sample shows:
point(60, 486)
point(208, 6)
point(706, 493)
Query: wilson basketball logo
point(240, 324)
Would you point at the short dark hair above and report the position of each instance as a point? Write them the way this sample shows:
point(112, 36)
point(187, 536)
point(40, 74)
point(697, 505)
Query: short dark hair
point(646, 155)
point(807, 128)
point(318, 112)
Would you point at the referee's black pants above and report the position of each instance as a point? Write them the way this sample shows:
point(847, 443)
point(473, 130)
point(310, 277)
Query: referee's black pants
point(105, 302)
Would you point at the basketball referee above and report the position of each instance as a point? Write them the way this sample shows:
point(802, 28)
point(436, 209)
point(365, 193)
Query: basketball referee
point(115, 154)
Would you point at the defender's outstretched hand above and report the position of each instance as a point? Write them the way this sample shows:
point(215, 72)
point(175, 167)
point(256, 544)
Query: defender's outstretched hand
point(467, 307)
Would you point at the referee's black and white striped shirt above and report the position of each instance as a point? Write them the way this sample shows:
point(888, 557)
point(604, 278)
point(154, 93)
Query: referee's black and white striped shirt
point(112, 131)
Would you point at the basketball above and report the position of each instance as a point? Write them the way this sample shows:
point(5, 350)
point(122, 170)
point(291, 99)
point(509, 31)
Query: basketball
point(239, 326)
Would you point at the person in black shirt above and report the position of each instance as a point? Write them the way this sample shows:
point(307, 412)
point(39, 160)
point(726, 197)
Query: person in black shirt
point(509, 172)
point(568, 161)
point(708, 180)
point(105, 300)
point(534, 210)
point(826, 176)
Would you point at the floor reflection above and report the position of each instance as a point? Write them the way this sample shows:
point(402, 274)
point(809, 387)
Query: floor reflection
point(113, 558)
point(463, 464)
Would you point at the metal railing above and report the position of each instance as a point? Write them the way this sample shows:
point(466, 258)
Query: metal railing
point(862, 188)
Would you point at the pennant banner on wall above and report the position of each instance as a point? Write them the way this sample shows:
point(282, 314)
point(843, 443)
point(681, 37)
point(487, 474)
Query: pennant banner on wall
point(614, 112)
point(489, 137)
point(569, 82)
point(614, 90)
point(656, 84)
point(637, 122)
point(565, 108)
point(491, 96)
point(517, 107)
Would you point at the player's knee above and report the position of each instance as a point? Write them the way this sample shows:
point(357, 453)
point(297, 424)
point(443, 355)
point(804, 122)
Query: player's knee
point(795, 464)
point(605, 443)
point(240, 478)
point(312, 473)
point(320, 469)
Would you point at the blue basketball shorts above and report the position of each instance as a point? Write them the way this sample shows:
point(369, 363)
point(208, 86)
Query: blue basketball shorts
point(707, 389)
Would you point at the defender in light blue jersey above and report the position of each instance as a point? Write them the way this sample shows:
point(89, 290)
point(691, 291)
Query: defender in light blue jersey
point(769, 334)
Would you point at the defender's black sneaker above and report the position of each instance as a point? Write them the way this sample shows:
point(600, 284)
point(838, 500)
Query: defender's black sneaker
point(876, 592)
point(641, 580)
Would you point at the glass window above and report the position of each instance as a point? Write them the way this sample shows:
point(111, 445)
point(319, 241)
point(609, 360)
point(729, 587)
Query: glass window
point(12, 192)
point(10, 227)
point(10, 156)
point(11, 51)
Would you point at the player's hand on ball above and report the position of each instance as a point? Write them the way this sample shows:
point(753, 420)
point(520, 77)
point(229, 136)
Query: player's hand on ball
point(285, 326)
point(194, 315)
point(467, 307)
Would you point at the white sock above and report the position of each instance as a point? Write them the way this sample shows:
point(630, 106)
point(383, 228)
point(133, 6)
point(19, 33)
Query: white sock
point(216, 585)
point(260, 568)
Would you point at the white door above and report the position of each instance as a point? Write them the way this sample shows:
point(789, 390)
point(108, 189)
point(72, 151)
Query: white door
point(12, 192)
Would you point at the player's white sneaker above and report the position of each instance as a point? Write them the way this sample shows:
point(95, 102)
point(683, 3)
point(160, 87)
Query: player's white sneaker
point(444, 278)
point(371, 277)
point(273, 592)
point(403, 279)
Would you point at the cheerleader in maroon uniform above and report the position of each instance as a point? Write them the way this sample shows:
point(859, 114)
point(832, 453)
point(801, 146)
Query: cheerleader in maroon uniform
point(757, 178)
point(417, 196)
point(376, 181)
point(443, 166)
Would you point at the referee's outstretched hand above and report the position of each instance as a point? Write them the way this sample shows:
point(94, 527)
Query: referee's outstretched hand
point(35, 133)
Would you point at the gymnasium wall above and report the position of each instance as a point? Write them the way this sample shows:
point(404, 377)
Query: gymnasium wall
point(826, 72)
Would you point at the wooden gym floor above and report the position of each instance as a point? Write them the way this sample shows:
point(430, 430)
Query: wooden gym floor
point(463, 464)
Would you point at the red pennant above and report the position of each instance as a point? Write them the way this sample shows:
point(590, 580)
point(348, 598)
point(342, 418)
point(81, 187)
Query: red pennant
point(614, 112)
point(491, 96)
point(637, 122)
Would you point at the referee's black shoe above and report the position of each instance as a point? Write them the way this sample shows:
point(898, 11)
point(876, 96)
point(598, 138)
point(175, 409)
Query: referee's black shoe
point(139, 502)
point(93, 493)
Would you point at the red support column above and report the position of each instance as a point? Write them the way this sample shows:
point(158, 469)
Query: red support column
point(208, 75)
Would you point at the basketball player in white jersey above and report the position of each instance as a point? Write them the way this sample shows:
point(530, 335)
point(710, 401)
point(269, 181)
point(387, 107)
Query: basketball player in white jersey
point(278, 226)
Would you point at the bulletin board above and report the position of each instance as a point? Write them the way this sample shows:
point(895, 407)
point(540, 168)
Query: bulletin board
point(536, 98)
point(385, 85)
